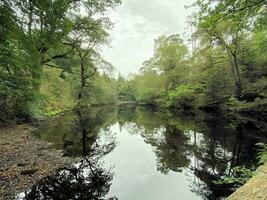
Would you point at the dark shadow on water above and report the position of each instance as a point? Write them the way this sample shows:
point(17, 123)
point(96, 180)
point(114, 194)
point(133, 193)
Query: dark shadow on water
point(85, 180)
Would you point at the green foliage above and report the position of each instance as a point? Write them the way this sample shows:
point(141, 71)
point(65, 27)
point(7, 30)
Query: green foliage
point(182, 97)
point(145, 88)
point(148, 87)
point(262, 155)
point(57, 93)
point(103, 91)
point(126, 90)
point(166, 70)
point(170, 59)
point(40, 34)
point(227, 62)
point(240, 175)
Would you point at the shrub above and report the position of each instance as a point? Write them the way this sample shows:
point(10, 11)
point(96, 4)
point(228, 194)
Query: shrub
point(182, 97)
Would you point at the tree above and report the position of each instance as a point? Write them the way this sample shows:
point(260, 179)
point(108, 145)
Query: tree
point(87, 36)
point(36, 34)
point(148, 87)
point(170, 59)
point(226, 22)
point(227, 35)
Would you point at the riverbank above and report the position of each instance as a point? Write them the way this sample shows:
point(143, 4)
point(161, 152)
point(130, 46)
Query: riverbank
point(255, 188)
point(25, 160)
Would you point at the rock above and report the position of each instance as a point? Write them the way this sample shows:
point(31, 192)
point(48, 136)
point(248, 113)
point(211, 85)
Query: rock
point(21, 164)
point(29, 171)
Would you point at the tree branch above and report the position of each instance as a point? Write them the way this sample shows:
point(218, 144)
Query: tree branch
point(53, 65)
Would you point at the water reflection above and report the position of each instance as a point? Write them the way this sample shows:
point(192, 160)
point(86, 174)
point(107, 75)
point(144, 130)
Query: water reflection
point(78, 133)
point(86, 180)
point(191, 150)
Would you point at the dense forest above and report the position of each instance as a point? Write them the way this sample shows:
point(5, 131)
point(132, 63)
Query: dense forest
point(224, 68)
point(50, 58)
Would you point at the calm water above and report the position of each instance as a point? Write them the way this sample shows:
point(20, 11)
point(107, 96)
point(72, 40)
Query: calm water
point(131, 153)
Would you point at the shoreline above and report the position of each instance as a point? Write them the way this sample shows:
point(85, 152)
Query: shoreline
point(25, 160)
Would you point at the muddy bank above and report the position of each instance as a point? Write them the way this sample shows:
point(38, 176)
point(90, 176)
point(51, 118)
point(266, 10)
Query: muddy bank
point(25, 160)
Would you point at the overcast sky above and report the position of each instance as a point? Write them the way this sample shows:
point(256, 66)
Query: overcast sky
point(137, 24)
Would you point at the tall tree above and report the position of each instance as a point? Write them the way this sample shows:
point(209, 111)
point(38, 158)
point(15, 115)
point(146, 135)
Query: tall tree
point(170, 59)
point(227, 22)
point(40, 33)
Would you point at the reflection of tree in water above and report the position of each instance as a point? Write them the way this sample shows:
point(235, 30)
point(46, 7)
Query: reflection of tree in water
point(210, 152)
point(87, 128)
point(203, 146)
point(86, 180)
point(138, 120)
point(171, 149)
point(217, 153)
point(75, 130)
point(170, 144)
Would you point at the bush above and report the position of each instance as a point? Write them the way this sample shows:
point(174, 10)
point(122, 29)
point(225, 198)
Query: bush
point(262, 155)
point(182, 97)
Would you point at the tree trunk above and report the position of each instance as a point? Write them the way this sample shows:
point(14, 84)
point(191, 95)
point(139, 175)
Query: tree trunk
point(82, 77)
point(235, 72)
point(234, 65)
point(30, 19)
point(238, 82)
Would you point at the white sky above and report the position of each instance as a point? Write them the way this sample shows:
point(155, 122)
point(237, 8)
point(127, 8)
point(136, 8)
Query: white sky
point(137, 24)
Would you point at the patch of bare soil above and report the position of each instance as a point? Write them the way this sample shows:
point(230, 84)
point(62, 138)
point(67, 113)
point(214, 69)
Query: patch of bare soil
point(24, 160)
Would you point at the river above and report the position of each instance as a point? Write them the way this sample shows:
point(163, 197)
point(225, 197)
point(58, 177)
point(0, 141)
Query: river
point(135, 153)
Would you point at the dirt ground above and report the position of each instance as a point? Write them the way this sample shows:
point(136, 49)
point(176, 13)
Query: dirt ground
point(24, 160)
